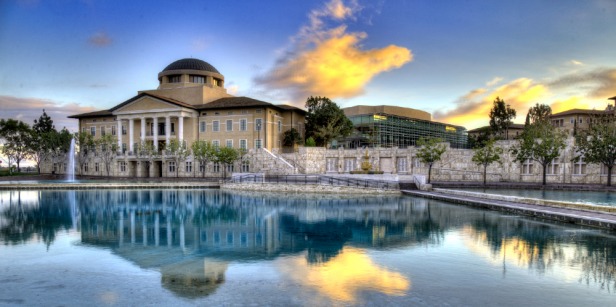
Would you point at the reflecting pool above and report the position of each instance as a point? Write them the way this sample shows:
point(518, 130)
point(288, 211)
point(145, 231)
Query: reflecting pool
point(211, 248)
point(585, 197)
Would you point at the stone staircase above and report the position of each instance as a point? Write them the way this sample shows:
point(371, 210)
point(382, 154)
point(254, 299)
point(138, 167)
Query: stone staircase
point(264, 161)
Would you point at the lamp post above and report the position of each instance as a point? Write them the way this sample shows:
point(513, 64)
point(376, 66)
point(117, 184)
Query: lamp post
point(259, 134)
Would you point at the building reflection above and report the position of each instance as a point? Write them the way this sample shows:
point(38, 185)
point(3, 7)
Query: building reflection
point(191, 236)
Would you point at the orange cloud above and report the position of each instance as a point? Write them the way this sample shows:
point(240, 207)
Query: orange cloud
point(472, 109)
point(100, 39)
point(330, 62)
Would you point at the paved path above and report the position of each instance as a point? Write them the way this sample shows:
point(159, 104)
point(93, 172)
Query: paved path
point(567, 215)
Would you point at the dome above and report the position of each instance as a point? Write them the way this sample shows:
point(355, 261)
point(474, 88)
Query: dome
point(191, 64)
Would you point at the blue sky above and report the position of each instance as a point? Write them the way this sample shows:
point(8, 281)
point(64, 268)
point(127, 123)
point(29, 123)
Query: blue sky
point(450, 58)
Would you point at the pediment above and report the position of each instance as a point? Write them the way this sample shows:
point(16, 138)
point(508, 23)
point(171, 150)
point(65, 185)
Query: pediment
point(147, 104)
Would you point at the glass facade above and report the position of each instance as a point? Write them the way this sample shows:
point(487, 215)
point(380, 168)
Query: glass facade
point(387, 130)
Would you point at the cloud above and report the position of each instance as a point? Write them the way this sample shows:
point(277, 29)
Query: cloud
point(472, 109)
point(576, 63)
point(100, 39)
point(29, 109)
point(494, 81)
point(199, 44)
point(587, 89)
point(329, 61)
point(599, 83)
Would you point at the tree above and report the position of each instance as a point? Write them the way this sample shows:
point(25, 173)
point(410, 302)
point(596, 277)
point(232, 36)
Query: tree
point(325, 121)
point(501, 116)
point(310, 142)
point(41, 140)
point(598, 144)
point(430, 151)
point(85, 142)
point(58, 144)
point(291, 137)
point(108, 146)
point(177, 152)
point(226, 156)
point(44, 124)
point(538, 113)
point(148, 153)
point(487, 155)
point(539, 141)
point(16, 135)
point(204, 152)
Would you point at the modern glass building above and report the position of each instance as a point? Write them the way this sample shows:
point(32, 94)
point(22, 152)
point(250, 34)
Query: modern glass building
point(390, 126)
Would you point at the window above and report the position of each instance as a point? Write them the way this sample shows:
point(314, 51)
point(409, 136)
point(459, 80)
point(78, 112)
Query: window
point(96, 168)
point(217, 167)
point(244, 144)
point(417, 162)
point(604, 170)
point(230, 168)
point(175, 79)
point(202, 127)
point(217, 82)
point(123, 147)
point(216, 143)
point(572, 120)
point(581, 120)
point(349, 164)
point(229, 125)
point(258, 110)
point(123, 130)
point(93, 130)
point(402, 165)
point(243, 124)
point(279, 126)
point(258, 123)
point(229, 143)
point(579, 166)
point(332, 164)
point(245, 167)
point(172, 128)
point(103, 147)
point(103, 131)
point(197, 79)
point(258, 143)
point(188, 167)
point(85, 167)
point(171, 166)
point(527, 167)
point(122, 166)
point(84, 129)
point(113, 130)
point(553, 168)
point(202, 167)
point(229, 237)
point(215, 126)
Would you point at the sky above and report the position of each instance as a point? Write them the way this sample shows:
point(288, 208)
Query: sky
point(449, 58)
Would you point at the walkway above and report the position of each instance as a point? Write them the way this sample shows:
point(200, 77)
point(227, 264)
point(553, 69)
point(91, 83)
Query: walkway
point(566, 215)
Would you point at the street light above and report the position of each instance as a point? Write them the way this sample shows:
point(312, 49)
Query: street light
point(259, 134)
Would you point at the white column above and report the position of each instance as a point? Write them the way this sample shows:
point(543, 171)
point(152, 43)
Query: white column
point(142, 129)
point(155, 132)
point(131, 124)
point(180, 129)
point(119, 134)
point(167, 129)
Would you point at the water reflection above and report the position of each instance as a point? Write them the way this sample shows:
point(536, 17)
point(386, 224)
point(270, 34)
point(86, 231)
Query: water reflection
point(321, 242)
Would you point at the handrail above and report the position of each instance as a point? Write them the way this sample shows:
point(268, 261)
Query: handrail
point(279, 158)
point(318, 179)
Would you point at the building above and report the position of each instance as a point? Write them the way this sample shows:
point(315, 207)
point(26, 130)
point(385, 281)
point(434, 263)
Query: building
point(575, 120)
point(512, 132)
point(391, 126)
point(191, 103)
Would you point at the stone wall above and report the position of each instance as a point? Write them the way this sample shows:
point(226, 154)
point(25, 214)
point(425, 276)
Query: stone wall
point(456, 165)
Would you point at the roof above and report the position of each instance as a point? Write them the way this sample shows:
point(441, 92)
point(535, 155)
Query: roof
point(191, 64)
point(290, 108)
point(578, 111)
point(92, 114)
point(235, 102)
point(612, 98)
point(484, 128)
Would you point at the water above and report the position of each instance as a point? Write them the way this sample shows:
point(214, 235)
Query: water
point(212, 248)
point(70, 172)
point(584, 197)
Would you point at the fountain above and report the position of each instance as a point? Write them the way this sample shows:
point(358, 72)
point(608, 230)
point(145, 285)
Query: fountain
point(70, 171)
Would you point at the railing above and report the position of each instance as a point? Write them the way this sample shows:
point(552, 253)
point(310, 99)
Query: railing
point(317, 179)
point(279, 158)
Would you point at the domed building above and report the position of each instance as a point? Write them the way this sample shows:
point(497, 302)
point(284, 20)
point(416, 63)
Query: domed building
point(191, 103)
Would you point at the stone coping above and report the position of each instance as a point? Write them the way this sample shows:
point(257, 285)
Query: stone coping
point(532, 201)
point(598, 219)
point(304, 188)
point(110, 185)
